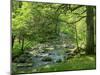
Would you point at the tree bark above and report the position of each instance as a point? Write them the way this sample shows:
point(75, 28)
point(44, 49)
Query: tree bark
point(90, 30)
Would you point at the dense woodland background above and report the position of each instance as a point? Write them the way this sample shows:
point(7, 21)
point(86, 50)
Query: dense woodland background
point(71, 26)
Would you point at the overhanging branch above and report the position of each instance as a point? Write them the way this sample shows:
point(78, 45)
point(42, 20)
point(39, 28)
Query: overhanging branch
point(77, 20)
point(74, 21)
point(80, 13)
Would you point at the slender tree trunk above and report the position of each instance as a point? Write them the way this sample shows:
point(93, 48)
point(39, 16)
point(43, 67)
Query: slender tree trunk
point(13, 40)
point(19, 39)
point(22, 48)
point(57, 28)
point(76, 38)
point(90, 30)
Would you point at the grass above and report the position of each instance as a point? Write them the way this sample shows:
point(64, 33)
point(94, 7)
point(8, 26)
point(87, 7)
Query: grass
point(78, 63)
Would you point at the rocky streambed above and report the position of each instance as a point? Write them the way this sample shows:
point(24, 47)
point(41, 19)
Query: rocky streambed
point(42, 56)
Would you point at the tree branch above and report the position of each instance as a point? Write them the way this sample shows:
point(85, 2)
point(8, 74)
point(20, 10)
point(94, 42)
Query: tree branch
point(76, 7)
point(77, 20)
point(80, 13)
point(74, 21)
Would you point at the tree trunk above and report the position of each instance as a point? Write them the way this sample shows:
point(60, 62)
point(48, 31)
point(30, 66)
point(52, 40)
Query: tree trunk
point(22, 48)
point(90, 30)
point(95, 30)
point(76, 38)
point(13, 40)
point(57, 28)
point(19, 39)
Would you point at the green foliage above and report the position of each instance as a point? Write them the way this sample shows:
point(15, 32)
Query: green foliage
point(43, 23)
point(16, 50)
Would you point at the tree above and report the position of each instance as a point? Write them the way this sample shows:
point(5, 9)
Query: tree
point(90, 30)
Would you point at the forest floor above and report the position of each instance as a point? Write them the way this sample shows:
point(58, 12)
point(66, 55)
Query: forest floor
point(76, 63)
